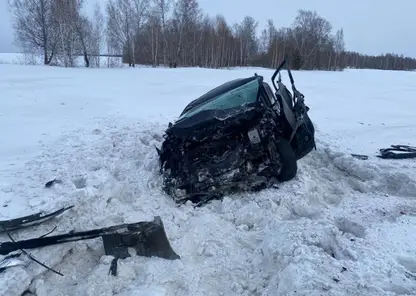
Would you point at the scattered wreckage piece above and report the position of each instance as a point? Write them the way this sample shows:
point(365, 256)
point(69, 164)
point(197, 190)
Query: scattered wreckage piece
point(147, 238)
point(239, 136)
point(402, 152)
point(30, 220)
point(52, 182)
point(11, 261)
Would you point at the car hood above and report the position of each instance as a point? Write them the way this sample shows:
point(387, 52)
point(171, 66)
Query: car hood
point(209, 122)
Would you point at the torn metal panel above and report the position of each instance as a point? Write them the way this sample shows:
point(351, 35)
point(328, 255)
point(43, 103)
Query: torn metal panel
point(147, 238)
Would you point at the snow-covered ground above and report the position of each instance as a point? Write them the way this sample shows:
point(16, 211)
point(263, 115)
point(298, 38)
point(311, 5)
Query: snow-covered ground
point(343, 226)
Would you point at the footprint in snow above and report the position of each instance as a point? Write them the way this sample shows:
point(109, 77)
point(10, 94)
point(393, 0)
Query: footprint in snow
point(80, 182)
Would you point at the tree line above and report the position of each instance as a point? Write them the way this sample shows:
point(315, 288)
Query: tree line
point(164, 32)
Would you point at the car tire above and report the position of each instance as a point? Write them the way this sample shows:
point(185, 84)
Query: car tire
point(288, 160)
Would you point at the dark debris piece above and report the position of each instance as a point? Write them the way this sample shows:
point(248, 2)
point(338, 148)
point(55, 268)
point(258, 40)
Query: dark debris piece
point(52, 182)
point(360, 156)
point(401, 152)
point(30, 220)
point(113, 267)
point(148, 238)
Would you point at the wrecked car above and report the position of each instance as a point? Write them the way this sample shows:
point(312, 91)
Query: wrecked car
point(241, 135)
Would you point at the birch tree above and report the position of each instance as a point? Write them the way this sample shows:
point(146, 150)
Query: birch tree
point(97, 34)
point(72, 31)
point(339, 48)
point(186, 14)
point(161, 9)
point(140, 9)
point(165, 32)
point(33, 27)
point(120, 27)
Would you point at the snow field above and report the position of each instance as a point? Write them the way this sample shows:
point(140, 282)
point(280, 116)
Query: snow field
point(343, 227)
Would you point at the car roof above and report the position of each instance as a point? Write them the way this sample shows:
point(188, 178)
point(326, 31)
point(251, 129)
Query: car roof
point(223, 88)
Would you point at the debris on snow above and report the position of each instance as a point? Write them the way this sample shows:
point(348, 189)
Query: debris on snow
point(30, 220)
point(146, 238)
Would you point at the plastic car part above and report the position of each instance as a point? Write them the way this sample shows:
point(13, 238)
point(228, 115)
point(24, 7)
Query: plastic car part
point(30, 220)
point(401, 152)
point(147, 238)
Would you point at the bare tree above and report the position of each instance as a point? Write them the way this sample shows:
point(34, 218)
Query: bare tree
point(211, 42)
point(339, 48)
point(97, 35)
point(120, 27)
point(72, 30)
point(310, 33)
point(246, 33)
point(161, 9)
point(160, 31)
point(185, 21)
point(140, 11)
point(222, 36)
point(33, 26)
point(149, 39)
point(83, 28)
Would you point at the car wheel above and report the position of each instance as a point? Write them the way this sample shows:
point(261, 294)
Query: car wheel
point(289, 166)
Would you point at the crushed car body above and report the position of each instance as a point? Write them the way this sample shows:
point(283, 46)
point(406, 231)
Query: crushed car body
point(239, 136)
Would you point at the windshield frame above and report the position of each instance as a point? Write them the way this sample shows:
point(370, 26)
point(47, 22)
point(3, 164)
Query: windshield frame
point(224, 97)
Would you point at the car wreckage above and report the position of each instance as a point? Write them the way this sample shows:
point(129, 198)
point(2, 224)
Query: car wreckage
point(146, 238)
point(238, 136)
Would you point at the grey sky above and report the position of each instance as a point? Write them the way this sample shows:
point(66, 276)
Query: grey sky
point(370, 26)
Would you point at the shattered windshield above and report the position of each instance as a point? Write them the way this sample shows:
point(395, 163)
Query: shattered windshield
point(246, 93)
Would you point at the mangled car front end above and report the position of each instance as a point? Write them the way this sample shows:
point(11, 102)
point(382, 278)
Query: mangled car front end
point(218, 151)
point(230, 139)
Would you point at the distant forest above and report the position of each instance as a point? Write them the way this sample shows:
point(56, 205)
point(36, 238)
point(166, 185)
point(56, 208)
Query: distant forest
point(179, 33)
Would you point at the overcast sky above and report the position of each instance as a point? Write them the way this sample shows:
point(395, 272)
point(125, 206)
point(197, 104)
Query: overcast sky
point(370, 26)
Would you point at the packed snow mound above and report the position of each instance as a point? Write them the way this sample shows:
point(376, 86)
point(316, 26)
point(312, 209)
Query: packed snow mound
point(331, 230)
